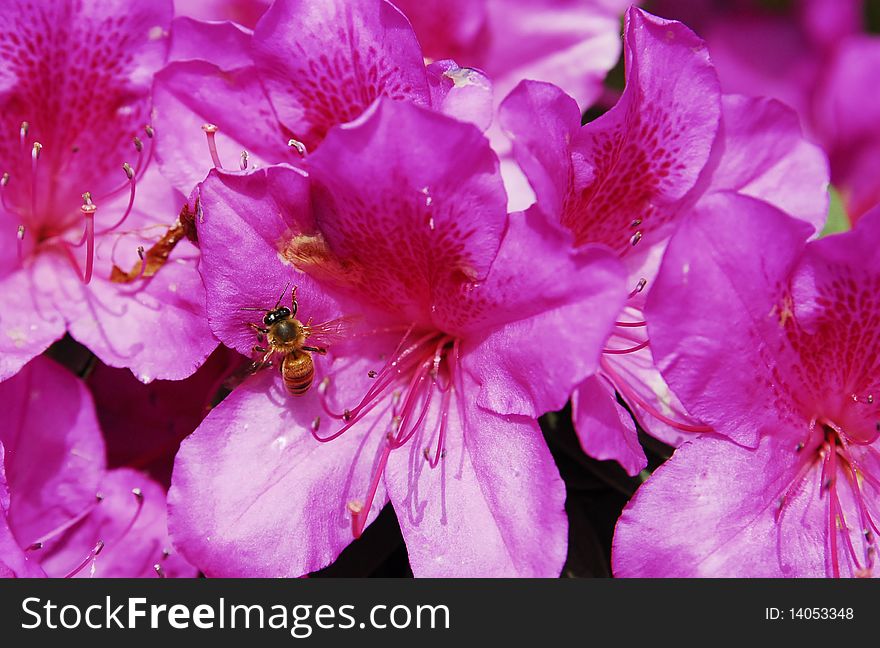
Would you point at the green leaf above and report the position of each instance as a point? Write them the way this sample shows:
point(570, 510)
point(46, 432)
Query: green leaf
point(837, 221)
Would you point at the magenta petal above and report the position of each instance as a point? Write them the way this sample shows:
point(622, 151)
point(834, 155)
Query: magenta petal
point(417, 190)
point(541, 120)
point(254, 494)
point(324, 63)
point(242, 260)
point(133, 529)
point(14, 562)
point(766, 156)
point(461, 92)
point(29, 322)
point(605, 429)
point(564, 306)
point(649, 150)
point(712, 510)
point(714, 317)
point(493, 506)
point(212, 80)
point(54, 450)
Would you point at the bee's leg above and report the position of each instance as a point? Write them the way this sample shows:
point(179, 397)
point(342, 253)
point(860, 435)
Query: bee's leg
point(320, 350)
point(260, 349)
point(261, 331)
point(293, 305)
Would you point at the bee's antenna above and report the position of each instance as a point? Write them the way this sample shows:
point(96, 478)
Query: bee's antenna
point(281, 296)
point(250, 308)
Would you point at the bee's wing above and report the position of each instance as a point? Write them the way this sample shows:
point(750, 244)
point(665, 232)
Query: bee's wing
point(335, 330)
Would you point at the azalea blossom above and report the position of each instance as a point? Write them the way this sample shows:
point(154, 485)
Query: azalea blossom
point(773, 341)
point(465, 315)
point(815, 56)
point(271, 95)
point(79, 195)
point(62, 513)
point(627, 178)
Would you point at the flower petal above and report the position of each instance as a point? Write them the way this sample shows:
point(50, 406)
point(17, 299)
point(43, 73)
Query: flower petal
point(411, 206)
point(766, 156)
point(536, 326)
point(254, 494)
point(493, 506)
point(715, 320)
point(712, 511)
point(324, 64)
point(53, 446)
point(243, 263)
point(605, 429)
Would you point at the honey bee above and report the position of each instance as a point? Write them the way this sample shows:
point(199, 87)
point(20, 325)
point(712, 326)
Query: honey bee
point(282, 334)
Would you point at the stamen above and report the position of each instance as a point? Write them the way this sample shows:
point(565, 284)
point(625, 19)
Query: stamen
point(360, 512)
point(244, 160)
point(210, 132)
point(4, 180)
point(639, 288)
point(159, 571)
point(93, 554)
point(88, 210)
point(129, 173)
point(20, 236)
point(638, 347)
point(299, 146)
point(635, 238)
point(35, 158)
point(139, 498)
point(630, 394)
point(23, 133)
point(40, 542)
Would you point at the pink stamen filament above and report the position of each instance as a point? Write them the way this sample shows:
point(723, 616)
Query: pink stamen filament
point(631, 395)
point(93, 554)
point(631, 324)
point(35, 158)
point(129, 172)
point(139, 498)
point(640, 286)
point(210, 132)
point(20, 244)
point(638, 347)
point(61, 528)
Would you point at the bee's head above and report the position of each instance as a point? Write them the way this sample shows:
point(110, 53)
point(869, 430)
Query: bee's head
point(276, 315)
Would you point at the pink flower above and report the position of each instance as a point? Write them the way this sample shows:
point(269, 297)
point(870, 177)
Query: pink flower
point(63, 512)
point(627, 178)
point(274, 93)
point(814, 56)
point(74, 102)
point(473, 323)
point(773, 342)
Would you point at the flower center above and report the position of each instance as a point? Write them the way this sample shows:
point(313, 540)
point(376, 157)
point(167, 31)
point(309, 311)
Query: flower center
point(422, 371)
point(845, 474)
point(36, 198)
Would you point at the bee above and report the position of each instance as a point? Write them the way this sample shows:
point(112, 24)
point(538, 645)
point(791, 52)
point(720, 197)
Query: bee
point(281, 333)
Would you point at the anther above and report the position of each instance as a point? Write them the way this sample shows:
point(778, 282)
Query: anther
point(137, 492)
point(20, 236)
point(4, 180)
point(299, 146)
point(371, 373)
point(138, 144)
point(159, 571)
point(244, 160)
point(23, 132)
point(636, 222)
point(149, 131)
point(316, 424)
point(36, 546)
point(346, 415)
point(35, 151)
point(639, 287)
point(635, 238)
